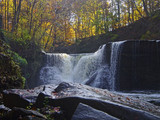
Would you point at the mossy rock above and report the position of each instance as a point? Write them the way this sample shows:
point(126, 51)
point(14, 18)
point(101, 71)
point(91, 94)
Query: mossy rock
point(10, 71)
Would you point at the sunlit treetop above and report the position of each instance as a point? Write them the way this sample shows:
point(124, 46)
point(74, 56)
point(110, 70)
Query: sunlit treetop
point(51, 23)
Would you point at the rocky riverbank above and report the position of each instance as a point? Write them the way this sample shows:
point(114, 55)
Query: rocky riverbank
point(69, 101)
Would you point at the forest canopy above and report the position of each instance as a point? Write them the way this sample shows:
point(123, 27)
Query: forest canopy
point(50, 23)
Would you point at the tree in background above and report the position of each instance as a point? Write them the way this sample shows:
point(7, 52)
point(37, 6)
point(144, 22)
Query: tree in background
point(53, 23)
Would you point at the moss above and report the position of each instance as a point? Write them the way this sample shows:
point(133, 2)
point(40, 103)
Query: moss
point(148, 36)
point(27, 54)
point(114, 36)
point(10, 71)
point(23, 82)
point(10, 74)
point(145, 36)
point(21, 61)
point(155, 15)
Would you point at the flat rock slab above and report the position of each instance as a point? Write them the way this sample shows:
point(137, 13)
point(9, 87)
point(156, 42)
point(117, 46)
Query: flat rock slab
point(85, 112)
point(32, 118)
point(16, 113)
point(68, 95)
point(13, 99)
point(69, 105)
point(4, 108)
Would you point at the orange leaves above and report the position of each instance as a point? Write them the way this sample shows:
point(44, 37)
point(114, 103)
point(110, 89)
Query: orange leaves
point(72, 19)
point(127, 98)
point(34, 11)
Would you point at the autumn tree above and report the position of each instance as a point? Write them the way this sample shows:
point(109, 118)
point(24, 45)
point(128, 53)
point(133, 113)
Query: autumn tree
point(53, 23)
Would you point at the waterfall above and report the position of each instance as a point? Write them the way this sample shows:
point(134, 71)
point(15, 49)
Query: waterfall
point(87, 68)
point(79, 68)
point(114, 59)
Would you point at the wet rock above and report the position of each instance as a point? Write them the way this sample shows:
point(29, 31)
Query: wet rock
point(46, 110)
point(18, 113)
point(32, 118)
point(69, 105)
point(155, 102)
point(42, 100)
point(4, 109)
point(30, 99)
point(53, 112)
point(58, 115)
point(96, 98)
point(62, 86)
point(20, 97)
point(103, 83)
point(85, 112)
point(14, 100)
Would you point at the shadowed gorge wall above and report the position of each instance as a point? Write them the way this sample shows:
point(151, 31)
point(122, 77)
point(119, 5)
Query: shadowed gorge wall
point(139, 66)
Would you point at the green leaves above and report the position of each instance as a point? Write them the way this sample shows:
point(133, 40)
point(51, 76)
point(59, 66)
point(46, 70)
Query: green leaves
point(10, 71)
point(21, 61)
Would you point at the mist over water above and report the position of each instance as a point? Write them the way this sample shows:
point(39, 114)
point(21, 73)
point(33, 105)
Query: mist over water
point(86, 68)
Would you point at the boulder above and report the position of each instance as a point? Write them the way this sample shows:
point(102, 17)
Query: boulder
point(85, 112)
point(62, 86)
point(32, 118)
point(155, 102)
point(42, 100)
point(68, 99)
point(18, 113)
point(20, 97)
point(4, 109)
point(12, 99)
point(100, 78)
point(69, 105)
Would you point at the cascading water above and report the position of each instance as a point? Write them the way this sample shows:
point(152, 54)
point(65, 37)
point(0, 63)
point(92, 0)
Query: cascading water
point(80, 68)
point(115, 51)
point(88, 68)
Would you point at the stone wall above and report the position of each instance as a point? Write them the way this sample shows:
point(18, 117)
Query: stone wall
point(139, 66)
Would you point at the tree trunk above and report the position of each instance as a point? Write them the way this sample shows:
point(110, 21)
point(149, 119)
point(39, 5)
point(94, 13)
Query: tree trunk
point(18, 10)
point(119, 14)
point(145, 8)
point(34, 31)
point(5, 17)
point(1, 33)
point(8, 15)
point(16, 15)
point(132, 6)
point(31, 19)
point(1, 20)
point(15, 11)
point(129, 12)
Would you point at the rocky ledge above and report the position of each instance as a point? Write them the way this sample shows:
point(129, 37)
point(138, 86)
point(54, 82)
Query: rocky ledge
point(70, 101)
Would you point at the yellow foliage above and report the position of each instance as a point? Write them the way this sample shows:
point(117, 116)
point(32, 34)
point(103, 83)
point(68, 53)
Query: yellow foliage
point(71, 20)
